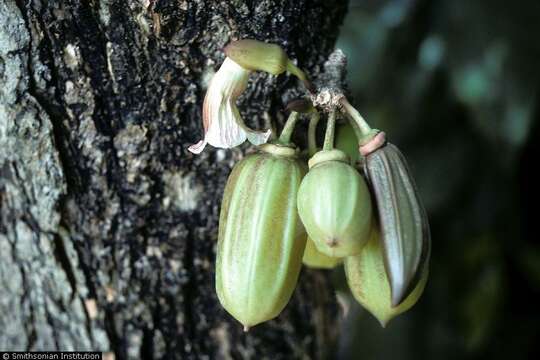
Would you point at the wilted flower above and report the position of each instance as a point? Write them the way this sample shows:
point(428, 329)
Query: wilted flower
point(223, 124)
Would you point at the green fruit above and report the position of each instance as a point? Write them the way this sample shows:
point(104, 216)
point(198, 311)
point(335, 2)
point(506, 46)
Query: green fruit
point(369, 284)
point(313, 258)
point(347, 142)
point(261, 238)
point(403, 221)
point(334, 205)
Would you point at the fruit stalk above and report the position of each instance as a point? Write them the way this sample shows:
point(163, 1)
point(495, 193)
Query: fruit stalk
point(330, 129)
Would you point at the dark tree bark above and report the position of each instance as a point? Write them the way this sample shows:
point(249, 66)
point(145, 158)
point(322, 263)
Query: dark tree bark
point(108, 225)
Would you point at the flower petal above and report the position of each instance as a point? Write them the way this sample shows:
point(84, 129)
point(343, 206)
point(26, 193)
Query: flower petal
point(254, 137)
point(223, 124)
point(225, 131)
point(258, 137)
point(198, 147)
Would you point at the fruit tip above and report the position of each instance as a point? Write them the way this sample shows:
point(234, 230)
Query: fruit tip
point(382, 317)
point(332, 242)
point(246, 328)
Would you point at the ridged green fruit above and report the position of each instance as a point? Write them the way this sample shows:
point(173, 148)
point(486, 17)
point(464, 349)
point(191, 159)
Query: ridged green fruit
point(403, 221)
point(261, 238)
point(313, 258)
point(369, 283)
point(334, 205)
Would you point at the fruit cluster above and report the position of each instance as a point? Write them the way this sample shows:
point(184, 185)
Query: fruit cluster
point(279, 210)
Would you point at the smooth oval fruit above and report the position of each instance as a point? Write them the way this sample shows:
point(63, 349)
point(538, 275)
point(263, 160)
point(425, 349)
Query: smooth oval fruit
point(334, 205)
point(313, 258)
point(261, 238)
point(403, 221)
point(368, 282)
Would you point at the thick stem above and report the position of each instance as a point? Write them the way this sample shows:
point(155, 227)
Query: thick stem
point(356, 128)
point(312, 132)
point(363, 131)
point(285, 137)
point(330, 129)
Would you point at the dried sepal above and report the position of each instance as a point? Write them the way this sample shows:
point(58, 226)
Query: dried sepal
point(303, 106)
point(403, 220)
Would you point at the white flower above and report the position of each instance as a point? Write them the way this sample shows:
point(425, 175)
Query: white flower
point(223, 124)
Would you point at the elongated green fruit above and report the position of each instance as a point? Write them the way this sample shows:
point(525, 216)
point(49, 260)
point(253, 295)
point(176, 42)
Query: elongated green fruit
point(313, 258)
point(261, 238)
point(403, 220)
point(334, 205)
point(368, 282)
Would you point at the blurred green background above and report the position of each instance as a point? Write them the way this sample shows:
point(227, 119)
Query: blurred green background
point(454, 83)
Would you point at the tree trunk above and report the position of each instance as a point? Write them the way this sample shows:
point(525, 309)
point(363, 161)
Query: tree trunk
point(108, 225)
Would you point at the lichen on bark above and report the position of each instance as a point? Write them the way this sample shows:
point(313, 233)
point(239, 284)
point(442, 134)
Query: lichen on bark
point(108, 225)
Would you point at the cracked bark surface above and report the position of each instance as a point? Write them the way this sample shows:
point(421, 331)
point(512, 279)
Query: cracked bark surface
point(108, 224)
